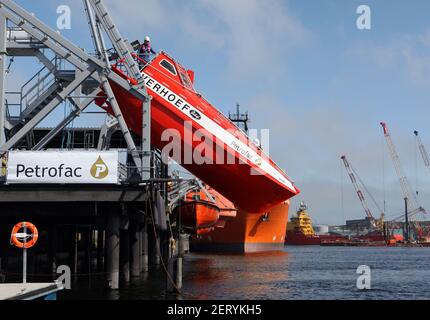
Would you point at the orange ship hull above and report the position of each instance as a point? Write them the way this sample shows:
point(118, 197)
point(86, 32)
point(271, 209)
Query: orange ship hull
point(247, 233)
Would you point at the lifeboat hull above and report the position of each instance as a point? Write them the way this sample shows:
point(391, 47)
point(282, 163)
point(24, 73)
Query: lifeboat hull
point(247, 233)
point(198, 215)
point(253, 182)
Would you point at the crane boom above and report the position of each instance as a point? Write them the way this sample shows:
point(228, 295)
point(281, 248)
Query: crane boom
point(423, 150)
point(360, 194)
point(404, 184)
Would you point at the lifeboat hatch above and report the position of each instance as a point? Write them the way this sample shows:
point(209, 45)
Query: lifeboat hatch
point(265, 217)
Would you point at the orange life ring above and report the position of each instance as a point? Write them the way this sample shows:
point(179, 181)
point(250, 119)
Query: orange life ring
point(20, 239)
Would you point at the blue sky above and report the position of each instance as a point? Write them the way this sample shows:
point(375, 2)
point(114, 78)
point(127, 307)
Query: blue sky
point(303, 70)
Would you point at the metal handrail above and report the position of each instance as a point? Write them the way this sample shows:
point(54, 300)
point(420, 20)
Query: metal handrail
point(39, 93)
point(36, 85)
point(30, 80)
point(41, 83)
point(9, 105)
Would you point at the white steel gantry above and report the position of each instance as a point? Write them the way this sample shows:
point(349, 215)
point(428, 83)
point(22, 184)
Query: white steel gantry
point(22, 34)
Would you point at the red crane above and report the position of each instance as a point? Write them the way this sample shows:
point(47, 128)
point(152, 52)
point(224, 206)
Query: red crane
point(423, 150)
point(360, 194)
point(353, 176)
point(404, 183)
point(426, 159)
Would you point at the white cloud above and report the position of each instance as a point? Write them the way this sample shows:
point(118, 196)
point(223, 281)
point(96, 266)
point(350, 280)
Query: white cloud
point(251, 35)
point(137, 14)
point(259, 34)
point(410, 54)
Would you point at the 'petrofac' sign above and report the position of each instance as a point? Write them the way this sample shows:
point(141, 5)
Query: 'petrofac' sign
point(63, 167)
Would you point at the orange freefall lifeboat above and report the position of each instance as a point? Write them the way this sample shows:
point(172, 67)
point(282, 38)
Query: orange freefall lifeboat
point(200, 214)
point(252, 181)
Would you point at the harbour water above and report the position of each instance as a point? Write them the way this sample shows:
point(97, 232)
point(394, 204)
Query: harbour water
point(297, 273)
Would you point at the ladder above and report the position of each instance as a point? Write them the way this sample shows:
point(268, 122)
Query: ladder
point(123, 50)
point(120, 45)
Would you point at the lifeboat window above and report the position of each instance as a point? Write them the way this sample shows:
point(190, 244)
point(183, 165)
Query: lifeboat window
point(168, 66)
point(185, 80)
point(196, 197)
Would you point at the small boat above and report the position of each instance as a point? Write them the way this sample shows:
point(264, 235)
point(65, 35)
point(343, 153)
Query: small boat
point(197, 215)
point(204, 210)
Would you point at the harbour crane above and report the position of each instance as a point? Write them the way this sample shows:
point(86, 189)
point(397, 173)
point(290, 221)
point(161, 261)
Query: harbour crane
point(415, 208)
point(423, 150)
point(376, 223)
point(424, 155)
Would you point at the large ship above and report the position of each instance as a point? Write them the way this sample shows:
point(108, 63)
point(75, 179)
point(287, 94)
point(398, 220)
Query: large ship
point(229, 161)
point(300, 230)
point(247, 233)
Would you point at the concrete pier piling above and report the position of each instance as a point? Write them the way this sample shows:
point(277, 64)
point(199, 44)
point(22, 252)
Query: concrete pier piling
point(169, 257)
point(125, 245)
point(100, 249)
point(179, 272)
point(135, 249)
point(145, 247)
point(153, 247)
point(112, 250)
point(74, 250)
point(52, 254)
point(125, 256)
point(88, 237)
point(179, 253)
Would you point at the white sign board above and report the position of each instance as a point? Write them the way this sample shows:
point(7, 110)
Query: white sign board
point(62, 167)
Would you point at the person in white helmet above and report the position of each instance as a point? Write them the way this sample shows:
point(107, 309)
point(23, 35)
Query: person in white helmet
point(146, 51)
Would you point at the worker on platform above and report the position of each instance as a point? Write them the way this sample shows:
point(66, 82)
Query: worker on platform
point(146, 51)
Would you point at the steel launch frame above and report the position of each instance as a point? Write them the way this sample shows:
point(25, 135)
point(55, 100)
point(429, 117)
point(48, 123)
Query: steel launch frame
point(29, 37)
point(71, 75)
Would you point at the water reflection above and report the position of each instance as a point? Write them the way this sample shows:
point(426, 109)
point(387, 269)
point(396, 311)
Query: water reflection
point(252, 276)
point(302, 273)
